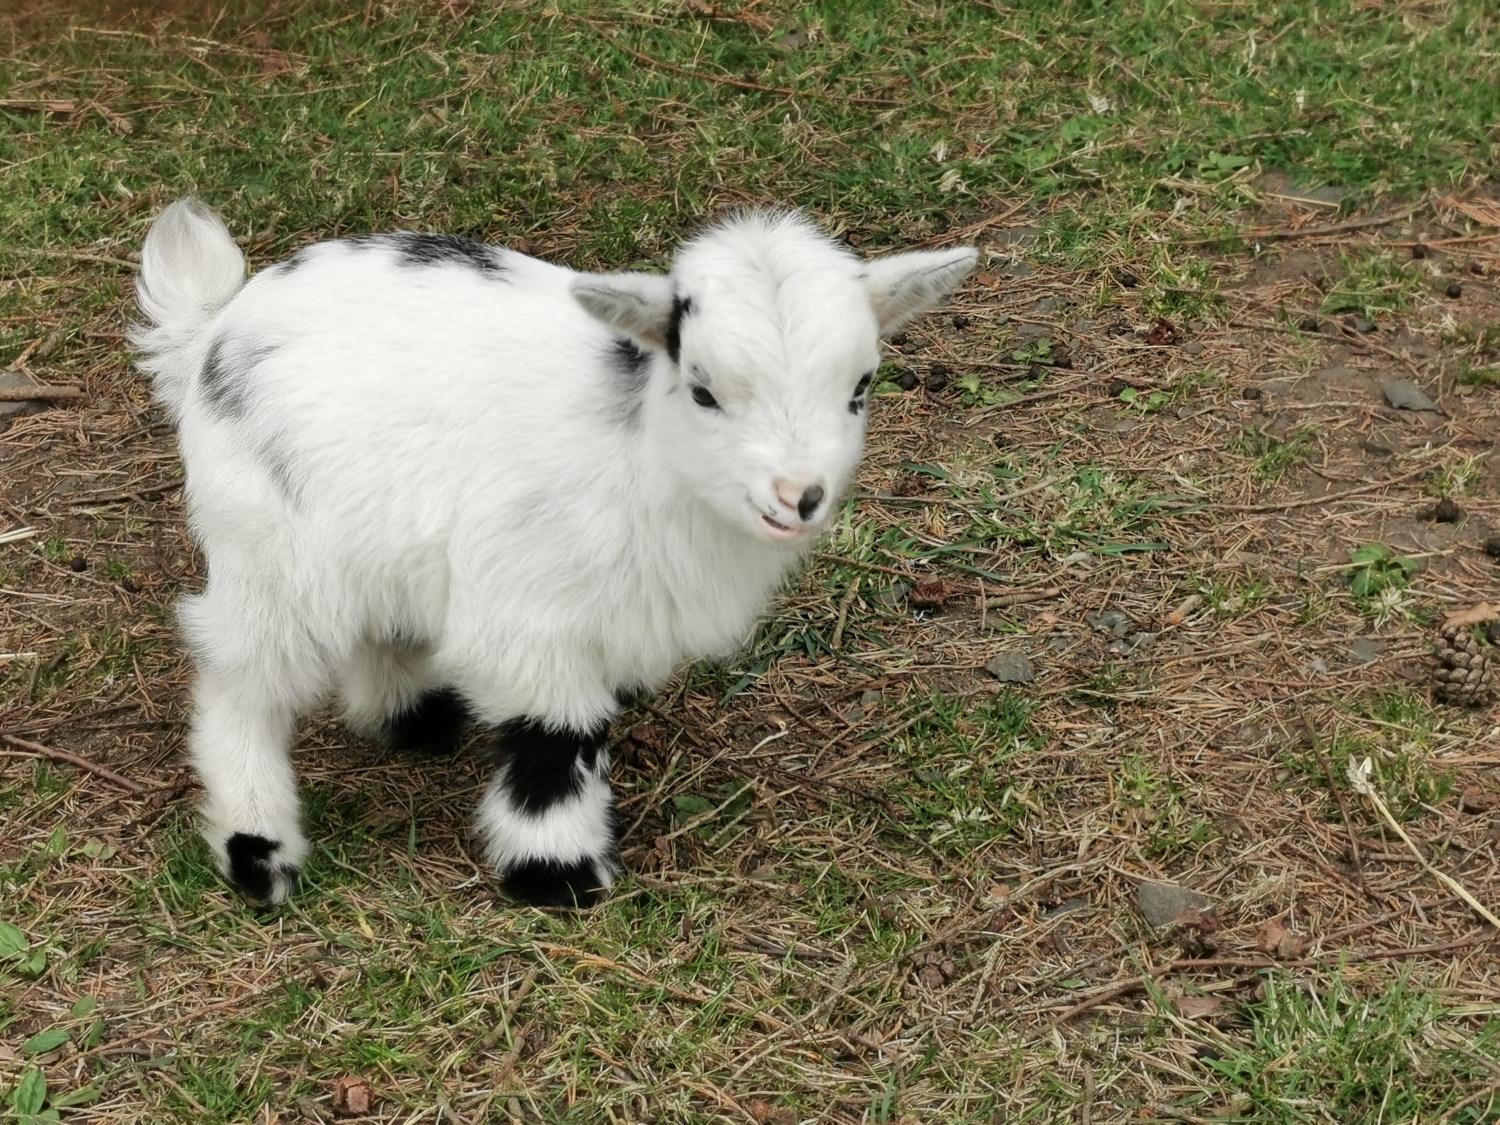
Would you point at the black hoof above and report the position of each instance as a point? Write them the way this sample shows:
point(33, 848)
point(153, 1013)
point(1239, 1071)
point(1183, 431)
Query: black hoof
point(433, 724)
point(542, 882)
point(254, 873)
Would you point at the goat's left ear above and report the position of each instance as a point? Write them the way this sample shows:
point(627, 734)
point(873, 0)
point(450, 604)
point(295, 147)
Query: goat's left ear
point(904, 286)
point(637, 304)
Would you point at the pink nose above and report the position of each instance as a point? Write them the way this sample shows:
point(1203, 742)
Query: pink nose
point(805, 498)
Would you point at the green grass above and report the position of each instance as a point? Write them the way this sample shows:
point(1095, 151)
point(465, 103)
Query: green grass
point(1387, 1053)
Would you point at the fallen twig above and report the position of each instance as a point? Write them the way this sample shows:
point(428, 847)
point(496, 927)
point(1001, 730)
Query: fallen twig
point(1284, 234)
point(144, 494)
point(37, 750)
point(41, 392)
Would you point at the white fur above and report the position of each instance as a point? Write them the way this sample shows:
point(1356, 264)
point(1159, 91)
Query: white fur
point(436, 477)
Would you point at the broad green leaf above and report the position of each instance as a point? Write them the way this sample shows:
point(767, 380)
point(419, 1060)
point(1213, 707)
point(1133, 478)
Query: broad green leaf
point(691, 805)
point(91, 1037)
point(30, 1093)
point(44, 1041)
point(33, 965)
point(12, 940)
point(86, 1095)
point(57, 843)
point(83, 1007)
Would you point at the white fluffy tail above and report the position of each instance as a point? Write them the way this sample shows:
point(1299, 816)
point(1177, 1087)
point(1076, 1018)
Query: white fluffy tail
point(190, 268)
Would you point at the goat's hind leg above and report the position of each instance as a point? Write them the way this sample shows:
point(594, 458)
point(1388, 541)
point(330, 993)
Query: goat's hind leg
point(388, 694)
point(549, 816)
point(246, 701)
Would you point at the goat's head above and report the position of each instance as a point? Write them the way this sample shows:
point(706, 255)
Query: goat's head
point(768, 336)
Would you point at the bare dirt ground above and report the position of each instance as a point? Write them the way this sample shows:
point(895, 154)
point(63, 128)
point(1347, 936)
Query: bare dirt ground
point(1173, 565)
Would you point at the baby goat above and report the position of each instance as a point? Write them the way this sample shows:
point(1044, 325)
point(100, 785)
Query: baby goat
point(457, 484)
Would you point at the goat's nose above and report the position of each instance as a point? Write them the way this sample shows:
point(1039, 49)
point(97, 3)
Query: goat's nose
point(804, 498)
point(809, 502)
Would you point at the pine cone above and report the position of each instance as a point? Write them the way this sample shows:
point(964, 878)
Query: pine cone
point(1464, 674)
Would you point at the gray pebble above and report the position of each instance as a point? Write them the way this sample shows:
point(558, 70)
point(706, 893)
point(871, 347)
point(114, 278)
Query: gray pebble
point(1111, 621)
point(1366, 650)
point(894, 596)
point(1012, 668)
point(1161, 903)
point(1403, 394)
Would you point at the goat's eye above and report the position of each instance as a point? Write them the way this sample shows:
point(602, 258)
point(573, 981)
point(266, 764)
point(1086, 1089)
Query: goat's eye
point(704, 397)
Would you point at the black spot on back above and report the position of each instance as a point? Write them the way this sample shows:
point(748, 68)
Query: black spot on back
point(631, 370)
point(224, 378)
point(417, 248)
point(434, 723)
point(681, 306)
point(538, 763)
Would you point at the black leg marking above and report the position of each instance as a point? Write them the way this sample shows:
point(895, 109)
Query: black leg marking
point(433, 724)
point(542, 882)
point(251, 869)
point(539, 762)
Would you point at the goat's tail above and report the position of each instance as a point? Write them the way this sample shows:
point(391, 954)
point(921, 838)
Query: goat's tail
point(190, 268)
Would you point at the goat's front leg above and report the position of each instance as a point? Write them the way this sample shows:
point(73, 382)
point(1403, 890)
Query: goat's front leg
point(549, 817)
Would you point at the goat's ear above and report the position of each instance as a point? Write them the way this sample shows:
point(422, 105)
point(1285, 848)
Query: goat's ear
point(637, 304)
point(904, 286)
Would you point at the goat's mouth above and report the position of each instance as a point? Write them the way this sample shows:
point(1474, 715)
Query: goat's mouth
point(778, 531)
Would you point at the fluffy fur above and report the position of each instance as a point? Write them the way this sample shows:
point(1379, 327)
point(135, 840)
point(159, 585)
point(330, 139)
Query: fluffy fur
point(419, 464)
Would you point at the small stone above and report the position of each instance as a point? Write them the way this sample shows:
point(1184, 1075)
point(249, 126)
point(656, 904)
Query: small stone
point(1364, 326)
point(907, 380)
point(899, 340)
point(78, 564)
point(1020, 271)
point(1126, 278)
point(1161, 903)
point(1374, 449)
point(1193, 347)
point(1251, 394)
point(1403, 394)
point(937, 377)
point(1454, 291)
point(1491, 546)
point(869, 698)
point(960, 321)
point(1419, 251)
point(1112, 621)
point(1318, 665)
point(1309, 324)
point(1476, 268)
point(1001, 441)
point(1012, 668)
point(893, 596)
point(1366, 650)
point(1047, 304)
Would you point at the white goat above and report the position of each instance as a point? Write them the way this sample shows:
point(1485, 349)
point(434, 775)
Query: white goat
point(455, 483)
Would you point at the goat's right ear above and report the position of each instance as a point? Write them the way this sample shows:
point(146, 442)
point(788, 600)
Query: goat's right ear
point(637, 304)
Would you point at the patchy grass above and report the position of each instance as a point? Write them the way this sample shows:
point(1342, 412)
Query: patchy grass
point(867, 883)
